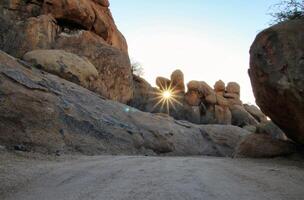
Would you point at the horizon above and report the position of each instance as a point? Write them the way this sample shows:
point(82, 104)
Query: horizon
point(208, 41)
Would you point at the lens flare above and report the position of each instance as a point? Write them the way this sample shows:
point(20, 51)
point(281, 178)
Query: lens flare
point(166, 97)
point(167, 94)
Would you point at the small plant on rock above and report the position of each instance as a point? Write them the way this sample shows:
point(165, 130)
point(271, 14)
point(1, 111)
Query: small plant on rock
point(287, 10)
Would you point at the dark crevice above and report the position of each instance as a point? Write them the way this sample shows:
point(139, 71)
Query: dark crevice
point(69, 26)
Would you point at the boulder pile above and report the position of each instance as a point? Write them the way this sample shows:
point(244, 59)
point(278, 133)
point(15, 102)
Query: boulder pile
point(202, 104)
point(58, 30)
point(44, 113)
point(63, 62)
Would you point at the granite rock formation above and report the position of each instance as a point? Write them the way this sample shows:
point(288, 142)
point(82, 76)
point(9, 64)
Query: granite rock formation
point(85, 28)
point(277, 76)
point(44, 113)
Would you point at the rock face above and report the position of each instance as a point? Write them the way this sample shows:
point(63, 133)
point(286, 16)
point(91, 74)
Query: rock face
point(277, 76)
point(42, 112)
point(66, 65)
point(263, 146)
point(82, 27)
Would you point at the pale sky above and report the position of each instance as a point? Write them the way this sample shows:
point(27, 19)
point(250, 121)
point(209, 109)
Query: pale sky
point(208, 40)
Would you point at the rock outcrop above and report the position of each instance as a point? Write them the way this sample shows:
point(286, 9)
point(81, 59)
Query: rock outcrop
point(277, 76)
point(66, 65)
point(85, 28)
point(42, 112)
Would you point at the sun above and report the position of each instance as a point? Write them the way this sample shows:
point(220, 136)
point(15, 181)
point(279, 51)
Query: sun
point(167, 97)
point(167, 94)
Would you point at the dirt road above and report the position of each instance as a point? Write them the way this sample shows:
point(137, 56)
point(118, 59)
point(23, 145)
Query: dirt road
point(159, 178)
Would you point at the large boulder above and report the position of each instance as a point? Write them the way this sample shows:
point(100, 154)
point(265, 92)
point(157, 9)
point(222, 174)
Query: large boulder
point(66, 65)
point(264, 146)
point(163, 83)
point(44, 113)
point(202, 87)
point(144, 95)
point(82, 27)
point(177, 80)
point(114, 68)
point(269, 128)
point(277, 76)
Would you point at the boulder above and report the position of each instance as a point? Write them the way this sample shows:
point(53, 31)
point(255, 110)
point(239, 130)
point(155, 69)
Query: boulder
point(177, 80)
point(104, 3)
point(47, 114)
point(144, 95)
point(222, 115)
point(73, 12)
point(211, 99)
point(193, 98)
point(219, 87)
point(202, 87)
point(263, 146)
point(222, 101)
point(256, 113)
point(194, 114)
point(163, 83)
point(277, 76)
point(250, 128)
point(240, 117)
point(82, 27)
point(233, 87)
point(66, 65)
point(269, 128)
point(115, 76)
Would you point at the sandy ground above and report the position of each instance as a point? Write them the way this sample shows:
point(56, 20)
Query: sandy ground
point(144, 178)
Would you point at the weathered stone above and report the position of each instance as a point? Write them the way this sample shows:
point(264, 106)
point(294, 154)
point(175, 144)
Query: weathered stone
point(74, 12)
point(202, 87)
point(269, 128)
point(84, 27)
point(232, 96)
point(104, 3)
point(219, 86)
point(263, 146)
point(222, 115)
point(144, 95)
point(277, 76)
point(66, 65)
point(193, 98)
point(250, 128)
point(211, 99)
point(222, 101)
point(240, 117)
point(49, 114)
point(233, 87)
point(256, 113)
point(163, 83)
point(177, 80)
point(114, 67)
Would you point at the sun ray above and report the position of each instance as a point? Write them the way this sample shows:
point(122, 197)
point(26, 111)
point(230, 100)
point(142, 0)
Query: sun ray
point(166, 97)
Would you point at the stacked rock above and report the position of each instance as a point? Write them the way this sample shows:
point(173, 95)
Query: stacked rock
point(176, 82)
point(202, 104)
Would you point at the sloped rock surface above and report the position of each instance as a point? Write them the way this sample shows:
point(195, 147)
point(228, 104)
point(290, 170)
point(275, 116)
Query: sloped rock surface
point(277, 76)
point(45, 113)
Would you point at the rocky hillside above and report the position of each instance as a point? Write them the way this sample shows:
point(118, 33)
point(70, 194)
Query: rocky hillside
point(84, 29)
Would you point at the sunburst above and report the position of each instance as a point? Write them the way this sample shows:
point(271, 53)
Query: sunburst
point(167, 97)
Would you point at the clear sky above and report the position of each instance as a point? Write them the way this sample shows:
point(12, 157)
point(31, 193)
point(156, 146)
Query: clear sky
point(207, 39)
